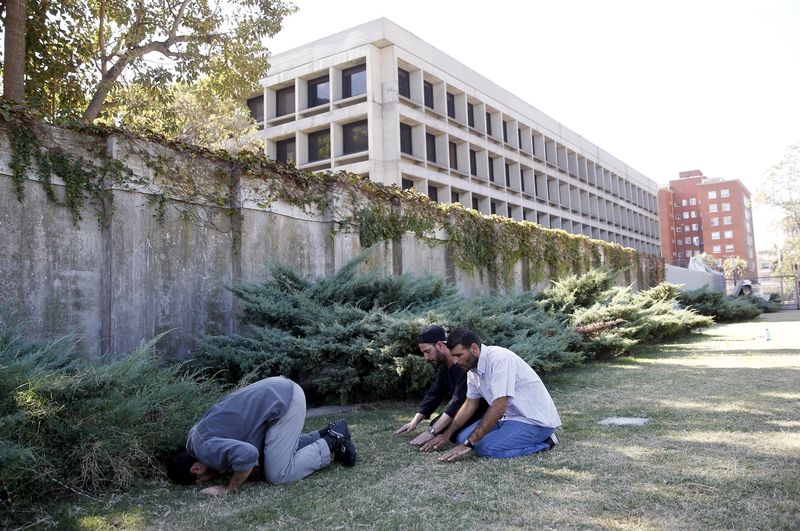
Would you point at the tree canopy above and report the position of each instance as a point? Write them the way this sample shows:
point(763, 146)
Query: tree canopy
point(781, 188)
point(192, 113)
point(82, 54)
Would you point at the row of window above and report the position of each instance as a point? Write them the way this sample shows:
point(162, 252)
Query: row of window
point(315, 92)
point(716, 249)
point(726, 220)
point(616, 215)
point(688, 228)
point(355, 139)
point(714, 222)
point(713, 207)
point(444, 100)
point(467, 159)
point(487, 205)
point(712, 194)
point(728, 234)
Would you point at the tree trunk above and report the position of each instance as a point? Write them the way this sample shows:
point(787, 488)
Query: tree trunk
point(99, 96)
point(14, 64)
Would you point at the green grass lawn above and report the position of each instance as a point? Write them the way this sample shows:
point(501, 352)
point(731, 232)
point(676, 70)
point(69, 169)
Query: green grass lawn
point(721, 451)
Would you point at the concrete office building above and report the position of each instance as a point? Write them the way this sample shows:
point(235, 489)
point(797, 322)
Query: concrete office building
point(699, 214)
point(376, 100)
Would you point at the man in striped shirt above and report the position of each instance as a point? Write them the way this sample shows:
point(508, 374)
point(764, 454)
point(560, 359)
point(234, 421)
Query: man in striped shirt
point(522, 417)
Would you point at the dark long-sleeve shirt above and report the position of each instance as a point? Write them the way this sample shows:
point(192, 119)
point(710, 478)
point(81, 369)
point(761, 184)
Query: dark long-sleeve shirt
point(450, 381)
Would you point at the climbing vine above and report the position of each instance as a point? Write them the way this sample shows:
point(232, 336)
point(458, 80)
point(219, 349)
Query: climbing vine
point(202, 184)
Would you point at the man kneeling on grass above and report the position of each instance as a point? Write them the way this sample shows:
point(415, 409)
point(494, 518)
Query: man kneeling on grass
point(522, 417)
point(261, 423)
point(451, 380)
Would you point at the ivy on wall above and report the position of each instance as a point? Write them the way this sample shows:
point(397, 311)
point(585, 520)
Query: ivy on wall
point(219, 182)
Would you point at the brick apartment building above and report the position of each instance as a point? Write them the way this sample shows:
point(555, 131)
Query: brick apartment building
point(698, 214)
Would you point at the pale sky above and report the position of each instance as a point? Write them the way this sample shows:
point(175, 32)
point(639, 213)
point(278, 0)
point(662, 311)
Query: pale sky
point(664, 86)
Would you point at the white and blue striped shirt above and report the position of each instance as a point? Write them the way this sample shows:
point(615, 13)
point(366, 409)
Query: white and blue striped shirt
point(501, 373)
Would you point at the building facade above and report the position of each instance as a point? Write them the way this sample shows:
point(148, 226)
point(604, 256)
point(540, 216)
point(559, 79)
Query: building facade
point(699, 214)
point(376, 100)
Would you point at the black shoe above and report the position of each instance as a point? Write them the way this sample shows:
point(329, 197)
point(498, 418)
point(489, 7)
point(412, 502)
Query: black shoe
point(340, 444)
point(339, 426)
point(339, 429)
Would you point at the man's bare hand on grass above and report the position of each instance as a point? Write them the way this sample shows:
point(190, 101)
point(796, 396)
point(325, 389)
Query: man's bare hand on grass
point(422, 438)
point(437, 443)
point(216, 490)
point(455, 453)
point(409, 426)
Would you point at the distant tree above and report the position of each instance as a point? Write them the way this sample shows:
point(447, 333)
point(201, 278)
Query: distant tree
point(788, 257)
point(781, 188)
point(708, 260)
point(733, 267)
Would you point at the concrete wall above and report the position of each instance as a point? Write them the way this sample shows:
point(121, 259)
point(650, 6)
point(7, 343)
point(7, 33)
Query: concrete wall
point(688, 279)
point(138, 271)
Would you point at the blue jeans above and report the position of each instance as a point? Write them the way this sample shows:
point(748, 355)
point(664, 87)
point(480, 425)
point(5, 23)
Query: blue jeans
point(509, 438)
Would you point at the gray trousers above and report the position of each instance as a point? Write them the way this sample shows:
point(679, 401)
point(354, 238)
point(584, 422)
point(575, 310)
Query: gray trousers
point(288, 456)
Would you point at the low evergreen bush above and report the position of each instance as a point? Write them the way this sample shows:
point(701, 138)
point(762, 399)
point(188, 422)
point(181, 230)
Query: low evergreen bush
point(352, 336)
point(73, 425)
point(346, 337)
point(724, 308)
point(647, 316)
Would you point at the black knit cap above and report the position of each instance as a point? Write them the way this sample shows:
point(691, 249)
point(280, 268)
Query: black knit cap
point(432, 334)
point(179, 469)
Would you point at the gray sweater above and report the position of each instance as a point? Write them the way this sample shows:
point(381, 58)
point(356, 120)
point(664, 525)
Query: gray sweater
point(230, 435)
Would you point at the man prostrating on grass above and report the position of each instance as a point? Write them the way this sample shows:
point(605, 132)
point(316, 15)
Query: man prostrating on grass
point(522, 417)
point(260, 423)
